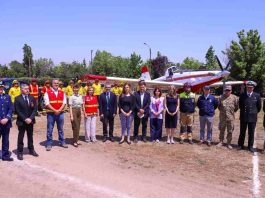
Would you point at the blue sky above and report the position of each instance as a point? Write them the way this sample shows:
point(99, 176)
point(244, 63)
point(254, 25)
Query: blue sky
point(68, 30)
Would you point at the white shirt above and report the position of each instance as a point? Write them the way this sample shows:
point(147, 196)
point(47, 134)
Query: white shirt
point(249, 94)
point(47, 100)
point(76, 101)
point(142, 98)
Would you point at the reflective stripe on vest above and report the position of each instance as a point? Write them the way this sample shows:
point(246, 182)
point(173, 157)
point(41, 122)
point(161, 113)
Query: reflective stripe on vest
point(91, 105)
point(56, 102)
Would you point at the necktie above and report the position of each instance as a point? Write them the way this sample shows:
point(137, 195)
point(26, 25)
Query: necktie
point(27, 100)
point(108, 98)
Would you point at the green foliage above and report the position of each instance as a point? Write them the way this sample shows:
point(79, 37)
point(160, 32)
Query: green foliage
point(28, 60)
point(247, 57)
point(191, 63)
point(211, 62)
point(42, 67)
point(159, 66)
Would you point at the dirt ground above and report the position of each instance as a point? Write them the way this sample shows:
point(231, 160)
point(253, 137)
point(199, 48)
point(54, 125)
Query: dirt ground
point(136, 170)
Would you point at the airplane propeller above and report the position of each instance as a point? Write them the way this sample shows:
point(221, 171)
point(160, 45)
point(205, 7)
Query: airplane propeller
point(220, 65)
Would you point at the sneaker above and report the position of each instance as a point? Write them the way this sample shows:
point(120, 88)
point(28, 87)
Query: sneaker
point(209, 143)
point(157, 141)
point(64, 145)
point(94, 140)
point(172, 141)
point(220, 144)
point(88, 140)
point(229, 146)
point(201, 142)
point(48, 147)
point(181, 141)
point(168, 141)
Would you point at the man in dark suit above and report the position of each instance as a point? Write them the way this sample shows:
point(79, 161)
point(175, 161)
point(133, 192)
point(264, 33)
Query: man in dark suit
point(250, 106)
point(141, 114)
point(107, 111)
point(26, 108)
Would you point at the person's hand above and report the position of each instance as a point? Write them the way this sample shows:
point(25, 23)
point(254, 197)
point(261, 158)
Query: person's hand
point(4, 121)
point(71, 118)
point(128, 114)
point(57, 112)
point(141, 111)
point(28, 120)
point(114, 115)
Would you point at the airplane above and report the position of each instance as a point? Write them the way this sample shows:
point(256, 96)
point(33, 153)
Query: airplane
point(177, 77)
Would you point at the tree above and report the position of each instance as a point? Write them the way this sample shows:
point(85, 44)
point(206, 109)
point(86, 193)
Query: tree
point(191, 63)
point(28, 60)
point(159, 66)
point(211, 62)
point(17, 69)
point(102, 63)
point(247, 57)
point(42, 67)
point(4, 71)
point(135, 66)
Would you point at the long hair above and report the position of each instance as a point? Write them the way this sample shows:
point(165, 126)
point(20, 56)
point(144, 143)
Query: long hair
point(174, 94)
point(157, 89)
point(123, 89)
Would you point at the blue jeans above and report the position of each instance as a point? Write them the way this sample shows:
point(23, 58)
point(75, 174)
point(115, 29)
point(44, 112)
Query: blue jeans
point(206, 120)
point(126, 123)
point(51, 119)
point(156, 128)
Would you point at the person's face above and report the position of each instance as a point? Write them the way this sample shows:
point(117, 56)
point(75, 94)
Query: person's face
point(34, 82)
point(75, 90)
point(227, 92)
point(1, 89)
point(187, 89)
point(90, 91)
point(157, 93)
point(48, 84)
point(15, 84)
point(71, 84)
point(108, 88)
point(25, 90)
point(206, 92)
point(96, 81)
point(55, 84)
point(61, 85)
point(250, 89)
point(127, 88)
point(142, 88)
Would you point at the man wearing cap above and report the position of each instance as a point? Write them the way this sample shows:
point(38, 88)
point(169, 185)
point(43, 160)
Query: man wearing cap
point(187, 109)
point(107, 111)
point(207, 105)
point(34, 91)
point(250, 106)
point(228, 106)
point(14, 91)
point(6, 109)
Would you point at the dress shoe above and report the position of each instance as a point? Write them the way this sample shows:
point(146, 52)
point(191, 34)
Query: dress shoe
point(229, 146)
point(135, 140)
point(9, 159)
point(144, 139)
point(129, 142)
point(111, 139)
point(33, 153)
point(220, 144)
point(191, 142)
point(104, 139)
point(48, 147)
point(240, 148)
point(252, 150)
point(209, 144)
point(20, 156)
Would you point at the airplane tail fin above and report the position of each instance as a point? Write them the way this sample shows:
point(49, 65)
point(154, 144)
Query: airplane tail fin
point(145, 73)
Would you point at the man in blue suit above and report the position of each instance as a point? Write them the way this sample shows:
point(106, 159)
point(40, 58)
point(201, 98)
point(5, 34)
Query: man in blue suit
point(107, 111)
point(141, 114)
point(6, 109)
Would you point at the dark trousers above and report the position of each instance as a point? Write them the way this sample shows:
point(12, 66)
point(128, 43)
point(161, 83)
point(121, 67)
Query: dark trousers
point(251, 130)
point(21, 132)
point(137, 122)
point(108, 120)
point(156, 128)
point(4, 132)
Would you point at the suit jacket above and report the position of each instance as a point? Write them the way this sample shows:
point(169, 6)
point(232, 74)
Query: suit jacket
point(146, 103)
point(249, 107)
point(103, 108)
point(24, 110)
point(6, 110)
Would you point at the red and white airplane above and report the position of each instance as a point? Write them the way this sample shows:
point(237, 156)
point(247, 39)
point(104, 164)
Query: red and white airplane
point(176, 77)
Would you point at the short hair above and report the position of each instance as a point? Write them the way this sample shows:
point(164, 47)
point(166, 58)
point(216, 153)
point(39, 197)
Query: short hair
point(23, 85)
point(142, 82)
point(76, 86)
point(157, 89)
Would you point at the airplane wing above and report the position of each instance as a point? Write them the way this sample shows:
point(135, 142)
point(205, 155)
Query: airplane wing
point(218, 84)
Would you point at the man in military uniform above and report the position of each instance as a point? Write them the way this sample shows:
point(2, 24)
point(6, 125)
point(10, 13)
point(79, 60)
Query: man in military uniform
point(228, 105)
point(6, 109)
point(250, 106)
point(187, 109)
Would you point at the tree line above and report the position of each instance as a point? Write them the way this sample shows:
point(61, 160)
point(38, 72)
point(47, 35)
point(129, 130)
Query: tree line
point(246, 56)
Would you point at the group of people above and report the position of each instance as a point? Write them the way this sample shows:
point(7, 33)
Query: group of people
point(132, 107)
